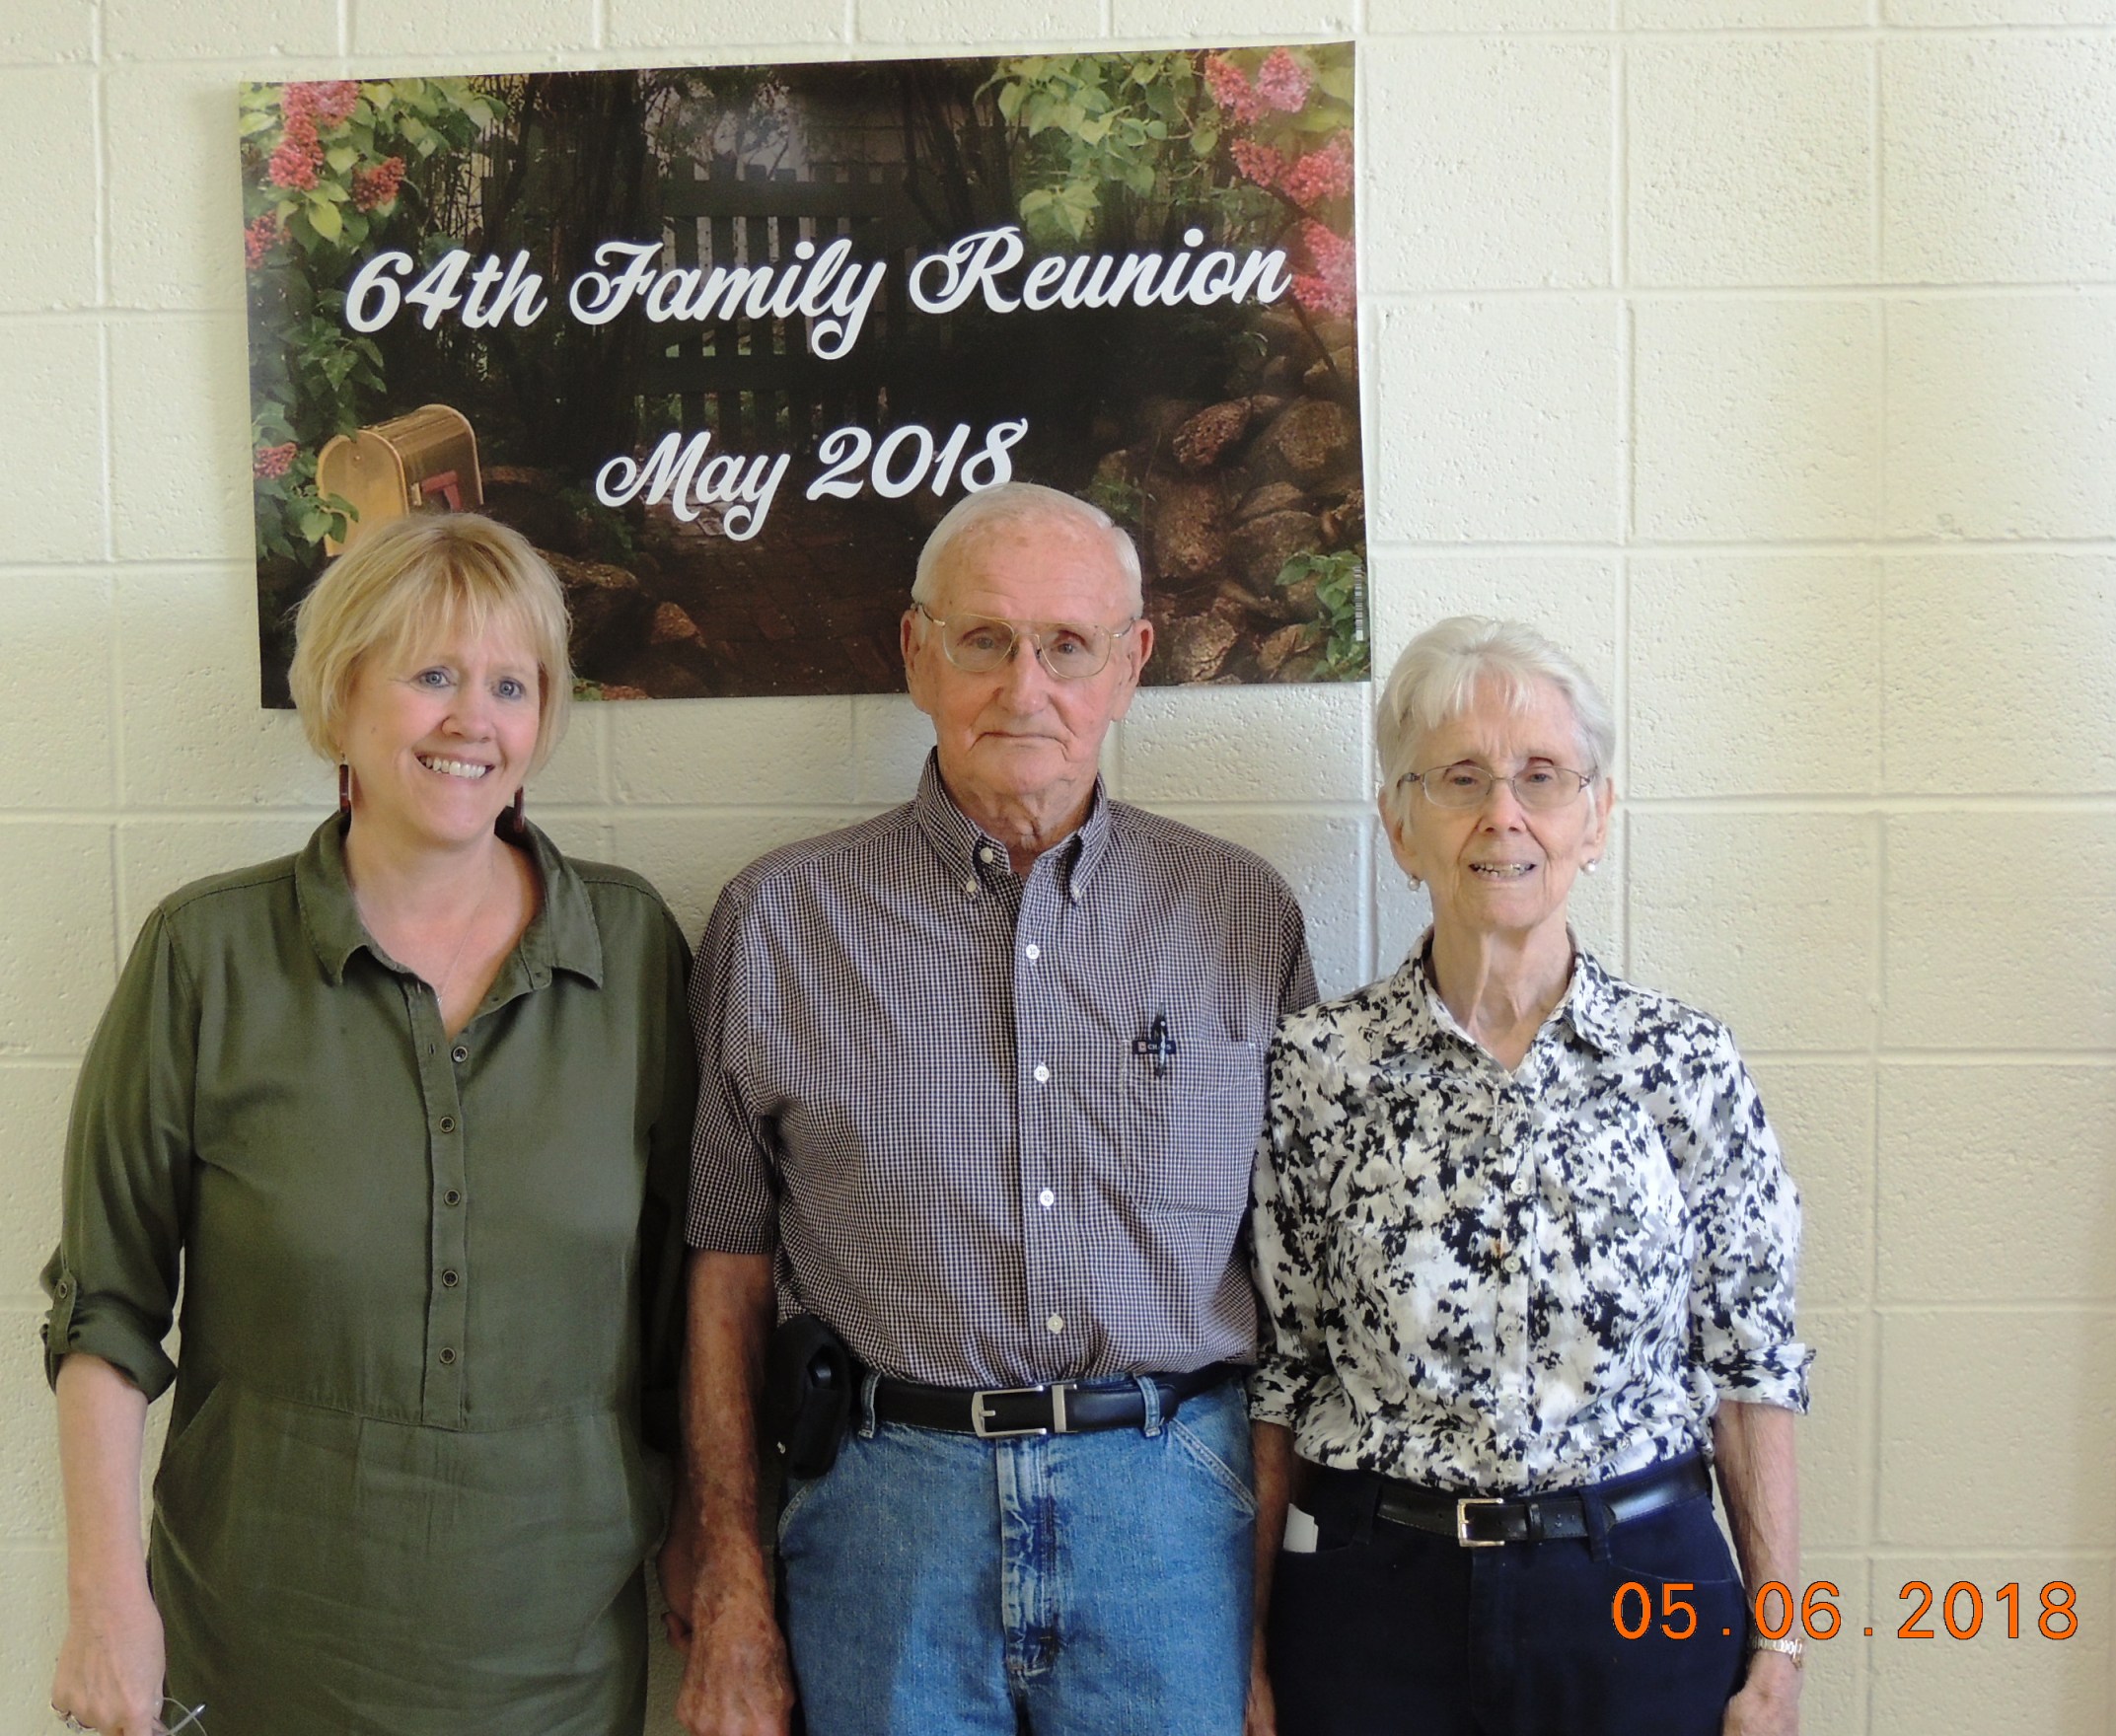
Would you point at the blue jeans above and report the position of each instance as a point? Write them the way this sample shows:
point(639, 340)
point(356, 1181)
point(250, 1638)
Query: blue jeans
point(1384, 1629)
point(1072, 1585)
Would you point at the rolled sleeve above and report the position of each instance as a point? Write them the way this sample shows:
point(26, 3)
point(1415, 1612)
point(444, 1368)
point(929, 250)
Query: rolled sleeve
point(112, 1279)
point(1286, 1228)
point(733, 1193)
point(1749, 1256)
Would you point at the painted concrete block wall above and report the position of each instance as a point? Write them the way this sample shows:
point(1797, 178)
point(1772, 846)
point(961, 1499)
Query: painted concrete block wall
point(1764, 350)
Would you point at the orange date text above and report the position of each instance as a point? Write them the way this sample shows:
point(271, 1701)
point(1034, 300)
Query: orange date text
point(1960, 1610)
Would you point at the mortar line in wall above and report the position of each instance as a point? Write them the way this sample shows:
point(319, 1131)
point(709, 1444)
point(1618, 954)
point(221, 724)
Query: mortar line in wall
point(1705, 35)
point(1851, 289)
point(2069, 1307)
point(1735, 548)
point(1876, 140)
point(1347, 807)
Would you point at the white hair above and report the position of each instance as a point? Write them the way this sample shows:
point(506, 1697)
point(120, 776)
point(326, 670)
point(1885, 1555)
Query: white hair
point(1014, 503)
point(1437, 679)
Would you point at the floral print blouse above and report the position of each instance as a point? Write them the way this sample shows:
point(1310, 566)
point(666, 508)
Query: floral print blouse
point(1497, 1281)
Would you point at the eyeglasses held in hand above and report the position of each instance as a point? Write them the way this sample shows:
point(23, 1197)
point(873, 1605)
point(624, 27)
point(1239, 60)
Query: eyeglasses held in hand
point(1069, 651)
point(1539, 785)
point(193, 1721)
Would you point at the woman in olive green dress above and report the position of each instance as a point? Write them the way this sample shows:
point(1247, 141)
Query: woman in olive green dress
point(405, 1115)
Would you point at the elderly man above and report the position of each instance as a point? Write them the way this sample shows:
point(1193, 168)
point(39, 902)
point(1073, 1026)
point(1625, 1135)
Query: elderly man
point(984, 1078)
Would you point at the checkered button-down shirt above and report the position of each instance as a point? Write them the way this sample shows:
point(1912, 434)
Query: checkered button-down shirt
point(933, 1089)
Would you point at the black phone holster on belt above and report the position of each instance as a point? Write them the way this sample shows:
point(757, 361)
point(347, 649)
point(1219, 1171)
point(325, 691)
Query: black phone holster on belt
point(808, 1395)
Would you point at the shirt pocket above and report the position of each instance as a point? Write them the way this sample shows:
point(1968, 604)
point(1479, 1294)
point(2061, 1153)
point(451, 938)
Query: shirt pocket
point(1189, 1134)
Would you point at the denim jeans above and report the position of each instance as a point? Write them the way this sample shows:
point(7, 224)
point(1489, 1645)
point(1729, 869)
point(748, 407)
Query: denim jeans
point(1069, 1585)
point(1384, 1629)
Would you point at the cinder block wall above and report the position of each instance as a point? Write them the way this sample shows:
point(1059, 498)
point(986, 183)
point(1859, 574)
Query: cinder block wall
point(1763, 351)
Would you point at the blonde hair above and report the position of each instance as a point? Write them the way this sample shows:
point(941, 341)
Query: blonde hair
point(411, 581)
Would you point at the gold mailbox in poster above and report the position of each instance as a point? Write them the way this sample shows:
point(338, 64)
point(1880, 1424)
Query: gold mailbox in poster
point(426, 459)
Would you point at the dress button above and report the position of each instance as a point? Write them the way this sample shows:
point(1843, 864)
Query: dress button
point(1055, 1322)
point(452, 1198)
point(971, 887)
point(1520, 1187)
point(460, 1054)
point(986, 853)
point(448, 1357)
point(1046, 1200)
point(1043, 1075)
point(450, 1278)
point(1033, 951)
point(448, 1123)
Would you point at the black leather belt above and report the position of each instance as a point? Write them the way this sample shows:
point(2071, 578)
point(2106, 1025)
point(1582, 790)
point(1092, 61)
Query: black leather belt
point(1480, 1522)
point(1070, 1407)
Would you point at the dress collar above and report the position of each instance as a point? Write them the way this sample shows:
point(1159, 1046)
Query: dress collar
point(1588, 1006)
point(561, 936)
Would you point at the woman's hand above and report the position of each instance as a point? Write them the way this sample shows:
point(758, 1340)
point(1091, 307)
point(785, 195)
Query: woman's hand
point(1769, 1703)
point(109, 1671)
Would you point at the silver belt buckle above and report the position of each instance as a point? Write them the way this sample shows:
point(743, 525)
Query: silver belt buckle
point(1462, 1522)
point(978, 1421)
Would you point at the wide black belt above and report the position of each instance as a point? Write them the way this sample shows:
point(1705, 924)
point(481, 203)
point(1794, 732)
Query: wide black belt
point(1069, 1407)
point(1478, 1522)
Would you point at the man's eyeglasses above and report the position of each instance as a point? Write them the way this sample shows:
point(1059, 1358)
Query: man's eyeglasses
point(1069, 651)
point(1537, 785)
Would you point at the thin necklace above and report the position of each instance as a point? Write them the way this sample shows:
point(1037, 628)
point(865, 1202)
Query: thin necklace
point(463, 940)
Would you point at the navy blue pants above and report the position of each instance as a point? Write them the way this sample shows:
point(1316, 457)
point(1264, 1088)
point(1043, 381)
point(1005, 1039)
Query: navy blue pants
point(1384, 1629)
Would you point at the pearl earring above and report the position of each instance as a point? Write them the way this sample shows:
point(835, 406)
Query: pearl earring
point(1594, 866)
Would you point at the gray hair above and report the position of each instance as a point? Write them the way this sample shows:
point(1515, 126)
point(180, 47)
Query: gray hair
point(1436, 678)
point(1014, 503)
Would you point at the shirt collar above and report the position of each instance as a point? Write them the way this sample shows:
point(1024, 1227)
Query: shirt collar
point(961, 843)
point(1588, 1004)
point(562, 936)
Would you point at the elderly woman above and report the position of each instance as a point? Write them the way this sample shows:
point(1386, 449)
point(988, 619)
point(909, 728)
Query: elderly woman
point(405, 1115)
point(1528, 1252)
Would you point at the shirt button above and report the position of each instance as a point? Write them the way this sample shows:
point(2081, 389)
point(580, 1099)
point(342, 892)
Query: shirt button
point(452, 1198)
point(1520, 1187)
point(1033, 951)
point(1046, 1200)
point(448, 1357)
point(971, 887)
point(450, 1278)
point(1043, 1075)
point(1055, 1322)
point(460, 1054)
point(448, 1123)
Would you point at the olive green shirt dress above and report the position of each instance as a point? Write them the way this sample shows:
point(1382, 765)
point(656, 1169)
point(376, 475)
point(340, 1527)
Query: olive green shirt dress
point(430, 1289)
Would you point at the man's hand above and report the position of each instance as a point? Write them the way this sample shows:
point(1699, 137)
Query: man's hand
point(1261, 1718)
point(676, 1567)
point(1769, 1703)
point(736, 1679)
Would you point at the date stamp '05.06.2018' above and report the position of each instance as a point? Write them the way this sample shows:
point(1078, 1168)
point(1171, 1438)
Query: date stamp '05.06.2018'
point(1961, 1608)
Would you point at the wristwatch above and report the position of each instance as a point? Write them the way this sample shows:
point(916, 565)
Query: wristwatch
point(1796, 1649)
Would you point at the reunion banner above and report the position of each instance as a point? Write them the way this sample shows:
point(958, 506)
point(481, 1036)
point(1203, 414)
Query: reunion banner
point(725, 343)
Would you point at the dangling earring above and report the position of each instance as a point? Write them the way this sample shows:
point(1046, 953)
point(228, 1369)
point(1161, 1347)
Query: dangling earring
point(344, 787)
point(516, 823)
